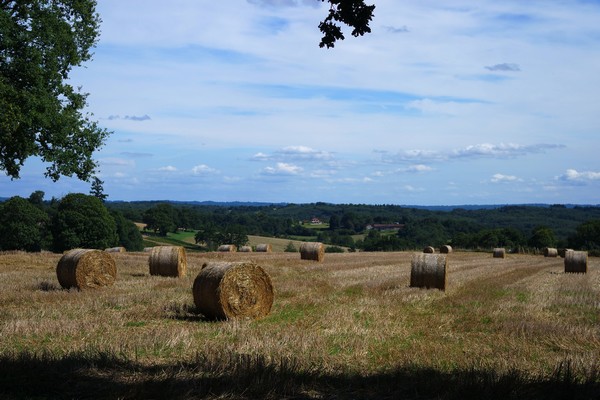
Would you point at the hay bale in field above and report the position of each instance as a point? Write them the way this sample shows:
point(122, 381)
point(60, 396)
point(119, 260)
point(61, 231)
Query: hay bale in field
point(168, 261)
point(428, 270)
point(576, 261)
point(225, 290)
point(246, 249)
point(429, 250)
point(148, 249)
point(550, 252)
point(264, 248)
point(227, 248)
point(115, 250)
point(562, 252)
point(312, 251)
point(499, 252)
point(85, 269)
point(446, 249)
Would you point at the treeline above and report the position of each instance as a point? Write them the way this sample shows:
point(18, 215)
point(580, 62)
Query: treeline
point(79, 220)
point(513, 227)
point(75, 221)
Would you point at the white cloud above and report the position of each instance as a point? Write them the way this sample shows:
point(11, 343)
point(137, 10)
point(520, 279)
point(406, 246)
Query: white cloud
point(412, 189)
point(168, 168)
point(203, 169)
point(305, 153)
point(482, 150)
point(419, 168)
point(501, 150)
point(497, 178)
point(576, 176)
point(283, 169)
point(260, 157)
point(295, 153)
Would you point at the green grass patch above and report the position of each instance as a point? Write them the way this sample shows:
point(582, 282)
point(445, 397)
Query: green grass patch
point(184, 239)
point(290, 314)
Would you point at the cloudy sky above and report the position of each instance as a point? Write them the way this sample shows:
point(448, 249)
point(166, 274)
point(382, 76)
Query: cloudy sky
point(444, 103)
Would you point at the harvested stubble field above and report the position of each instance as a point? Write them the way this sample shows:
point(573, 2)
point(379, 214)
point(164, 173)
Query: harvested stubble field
point(349, 327)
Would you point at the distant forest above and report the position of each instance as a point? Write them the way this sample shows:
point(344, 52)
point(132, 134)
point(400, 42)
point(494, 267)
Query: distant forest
point(80, 220)
point(513, 226)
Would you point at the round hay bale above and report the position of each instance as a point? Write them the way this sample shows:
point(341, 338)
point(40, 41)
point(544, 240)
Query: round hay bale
point(227, 248)
point(576, 261)
point(168, 261)
point(429, 250)
point(85, 269)
point(115, 250)
point(264, 248)
point(225, 290)
point(246, 249)
point(550, 252)
point(499, 252)
point(312, 251)
point(428, 270)
point(446, 249)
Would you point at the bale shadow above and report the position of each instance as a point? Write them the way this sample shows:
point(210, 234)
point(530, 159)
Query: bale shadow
point(47, 286)
point(96, 375)
point(184, 312)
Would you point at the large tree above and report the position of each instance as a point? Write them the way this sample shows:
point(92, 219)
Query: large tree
point(23, 226)
point(41, 113)
point(83, 221)
point(160, 219)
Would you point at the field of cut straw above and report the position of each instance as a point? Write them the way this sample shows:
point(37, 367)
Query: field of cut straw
point(349, 327)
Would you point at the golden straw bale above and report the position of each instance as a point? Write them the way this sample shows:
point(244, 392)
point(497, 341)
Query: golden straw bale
point(86, 268)
point(312, 251)
point(576, 261)
point(264, 248)
point(115, 250)
point(168, 261)
point(224, 290)
point(428, 270)
point(499, 252)
point(246, 249)
point(429, 250)
point(446, 249)
point(227, 248)
point(550, 252)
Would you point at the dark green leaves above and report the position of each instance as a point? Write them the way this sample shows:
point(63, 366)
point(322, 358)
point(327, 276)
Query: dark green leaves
point(354, 13)
point(40, 114)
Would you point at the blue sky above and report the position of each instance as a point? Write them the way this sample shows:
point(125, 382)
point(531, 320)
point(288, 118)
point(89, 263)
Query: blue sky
point(444, 103)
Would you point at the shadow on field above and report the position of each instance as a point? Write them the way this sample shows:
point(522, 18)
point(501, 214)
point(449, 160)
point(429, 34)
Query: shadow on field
point(90, 376)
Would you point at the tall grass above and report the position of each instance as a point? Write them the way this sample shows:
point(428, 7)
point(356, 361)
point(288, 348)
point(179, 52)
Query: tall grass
point(349, 327)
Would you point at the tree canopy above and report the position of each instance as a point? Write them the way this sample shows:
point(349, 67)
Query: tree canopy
point(22, 225)
point(83, 221)
point(354, 13)
point(40, 113)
